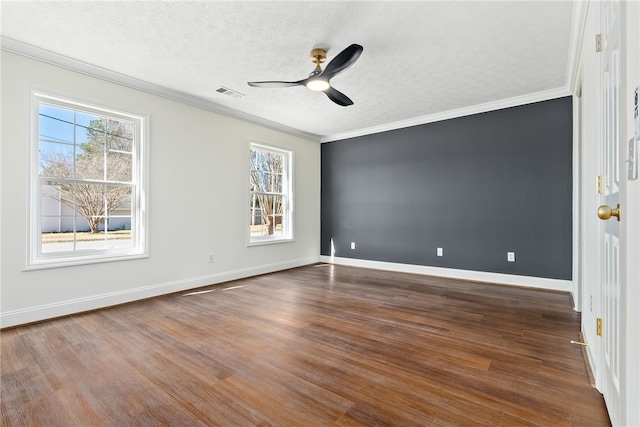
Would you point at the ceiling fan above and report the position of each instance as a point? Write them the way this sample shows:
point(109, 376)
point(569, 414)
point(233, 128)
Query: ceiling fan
point(318, 80)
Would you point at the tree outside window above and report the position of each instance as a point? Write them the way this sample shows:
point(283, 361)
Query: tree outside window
point(270, 194)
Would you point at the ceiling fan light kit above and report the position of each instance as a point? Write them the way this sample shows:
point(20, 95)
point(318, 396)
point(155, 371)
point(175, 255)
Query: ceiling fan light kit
point(319, 80)
point(318, 85)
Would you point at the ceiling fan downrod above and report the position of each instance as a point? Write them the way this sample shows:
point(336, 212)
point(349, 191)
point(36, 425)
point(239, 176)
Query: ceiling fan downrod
point(318, 56)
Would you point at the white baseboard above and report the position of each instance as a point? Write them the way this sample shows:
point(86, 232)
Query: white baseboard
point(64, 308)
point(476, 276)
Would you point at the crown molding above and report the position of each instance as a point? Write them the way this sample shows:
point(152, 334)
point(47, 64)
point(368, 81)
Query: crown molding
point(579, 17)
point(43, 55)
point(452, 114)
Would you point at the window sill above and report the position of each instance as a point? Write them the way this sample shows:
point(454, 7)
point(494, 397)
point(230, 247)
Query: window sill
point(269, 242)
point(41, 264)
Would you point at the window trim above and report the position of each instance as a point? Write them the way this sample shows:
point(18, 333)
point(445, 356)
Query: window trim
point(289, 218)
point(35, 259)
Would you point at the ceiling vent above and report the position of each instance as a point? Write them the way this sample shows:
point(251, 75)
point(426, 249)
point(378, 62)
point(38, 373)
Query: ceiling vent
point(229, 92)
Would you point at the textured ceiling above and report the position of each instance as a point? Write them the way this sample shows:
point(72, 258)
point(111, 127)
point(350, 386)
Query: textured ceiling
point(420, 58)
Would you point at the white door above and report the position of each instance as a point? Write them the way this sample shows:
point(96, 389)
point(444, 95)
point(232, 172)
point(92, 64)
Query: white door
point(609, 234)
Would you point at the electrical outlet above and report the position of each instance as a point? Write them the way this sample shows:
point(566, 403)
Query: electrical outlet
point(511, 256)
point(439, 252)
point(211, 259)
point(353, 245)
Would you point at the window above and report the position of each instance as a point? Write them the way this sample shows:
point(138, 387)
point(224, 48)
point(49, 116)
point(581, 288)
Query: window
point(270, 204)
point(87, 189)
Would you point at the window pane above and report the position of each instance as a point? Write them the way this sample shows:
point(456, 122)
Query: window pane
point(57, 218)
point(278, 228)
point(53, 242)
point(119, 166)
point(119, 135)
point(86, 240)
point(258, 230)
point(118, 221)
point(270, 213)
point(253, 161)
point(266, 172)
point(120, 238)
point(56, 224)
point(55, 160)
point(89, 128)
point(119, 201)
point(277, 183)
point(90, 204)
point(90, 161)
point(57, 198)
point(278, 205)
point(55, 124)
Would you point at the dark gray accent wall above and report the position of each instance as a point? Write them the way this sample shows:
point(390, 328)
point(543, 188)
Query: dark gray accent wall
point(477, 186)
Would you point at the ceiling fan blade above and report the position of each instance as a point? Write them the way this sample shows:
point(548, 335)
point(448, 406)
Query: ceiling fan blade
point(343, 60)
point(338, 97)
point(276, 84)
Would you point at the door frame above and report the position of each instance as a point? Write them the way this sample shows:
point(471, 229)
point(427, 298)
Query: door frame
point(587, 87)
point(587, 80)
point(630, 229)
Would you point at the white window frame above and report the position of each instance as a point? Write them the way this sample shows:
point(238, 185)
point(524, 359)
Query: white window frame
point(36, 259)
point(288, 211)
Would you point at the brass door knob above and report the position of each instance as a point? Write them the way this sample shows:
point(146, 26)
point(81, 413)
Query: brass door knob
point(605, 212)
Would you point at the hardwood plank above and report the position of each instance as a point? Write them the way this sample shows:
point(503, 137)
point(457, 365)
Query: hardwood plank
point(314, 346)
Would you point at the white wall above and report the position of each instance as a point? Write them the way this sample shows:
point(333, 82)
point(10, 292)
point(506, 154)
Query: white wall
point(197, 200)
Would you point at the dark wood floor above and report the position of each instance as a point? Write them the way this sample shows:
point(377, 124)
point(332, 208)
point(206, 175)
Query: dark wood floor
point(314, 346)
